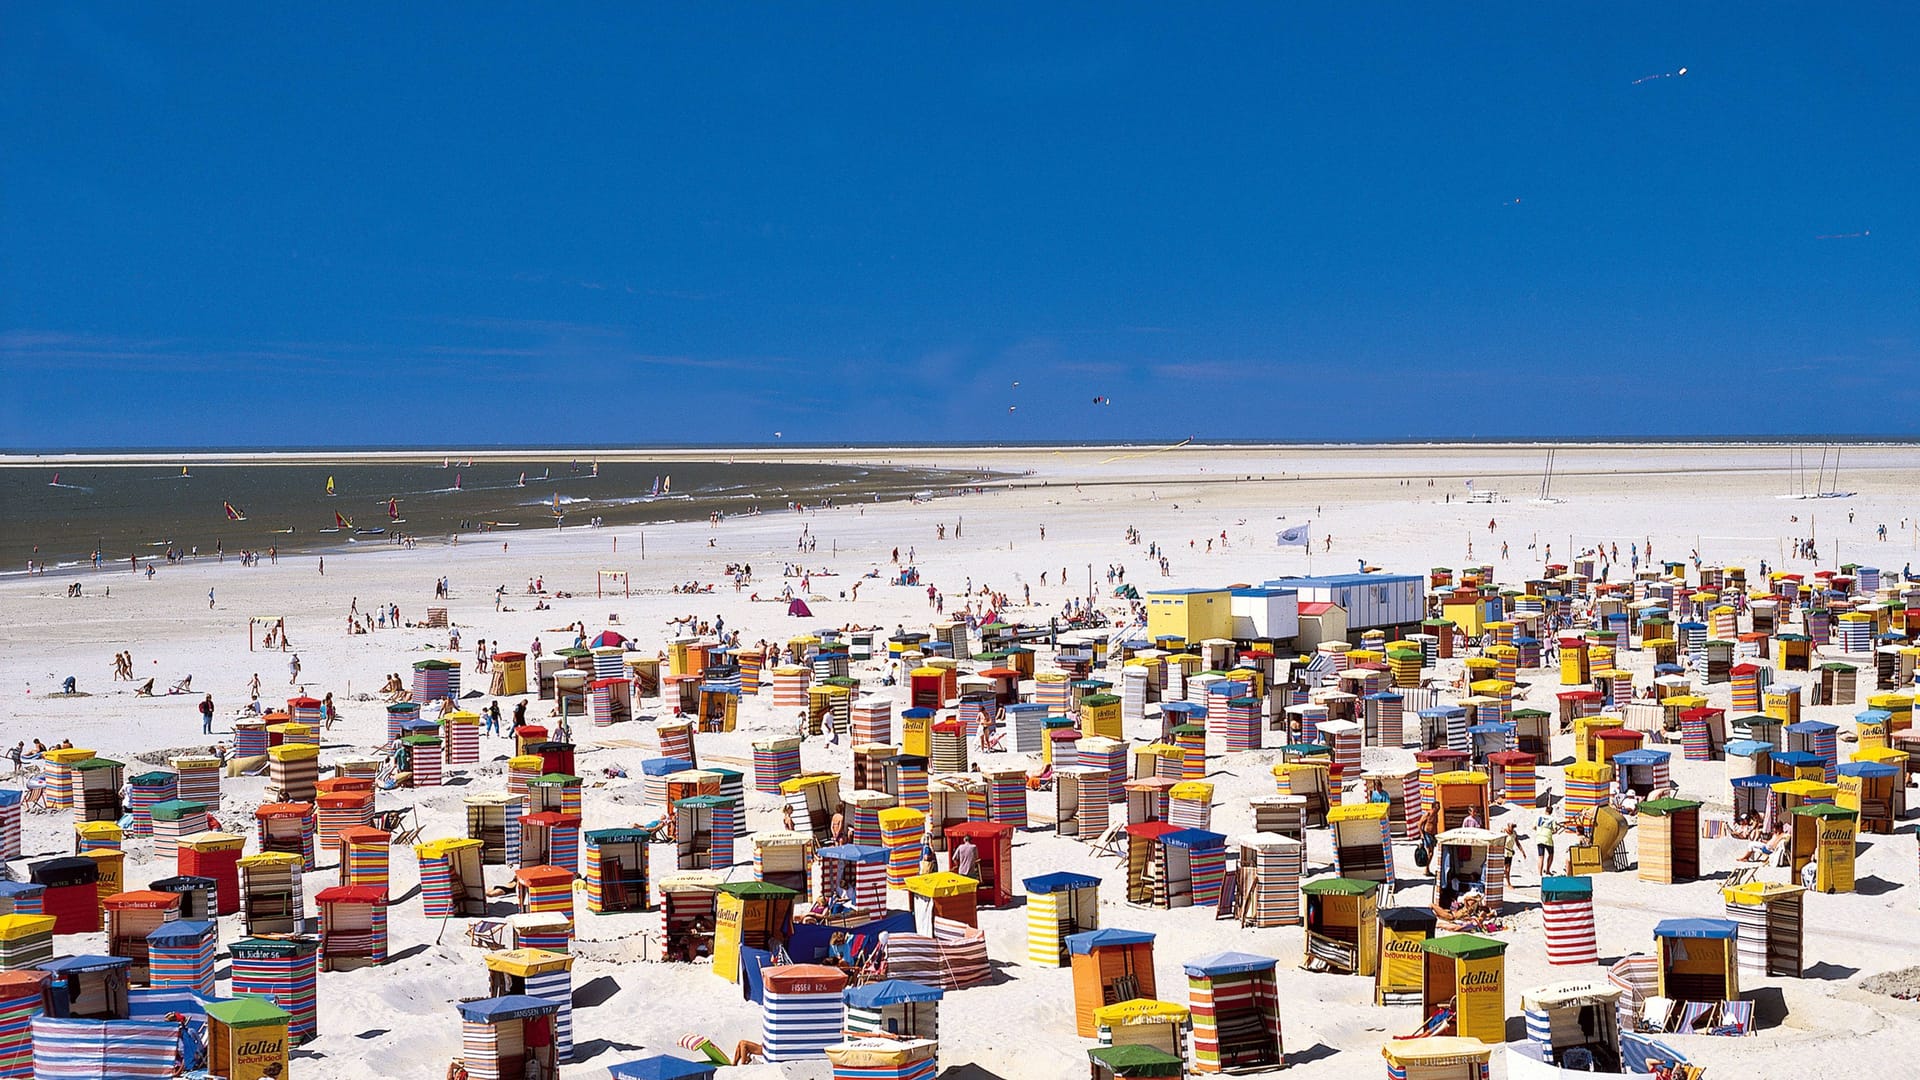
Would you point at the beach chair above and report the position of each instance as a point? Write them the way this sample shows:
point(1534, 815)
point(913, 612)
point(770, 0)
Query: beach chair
point(487, 934)
point(1742, 874)
point(1108, 842)
point(394, 822)
point(1433, 1025)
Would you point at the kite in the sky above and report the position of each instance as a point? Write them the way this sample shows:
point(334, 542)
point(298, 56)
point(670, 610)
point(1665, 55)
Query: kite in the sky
point(1103, 400)
point(1662, 75)
point(1862, 234)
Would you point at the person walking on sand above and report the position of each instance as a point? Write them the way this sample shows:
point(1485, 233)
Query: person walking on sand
point(293, 670)
point(323, 566)
point(253, 685)
point(206, 715)
point(209, 599)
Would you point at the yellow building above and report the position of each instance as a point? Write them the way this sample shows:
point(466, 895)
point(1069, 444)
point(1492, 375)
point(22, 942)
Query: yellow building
point(1190, 614)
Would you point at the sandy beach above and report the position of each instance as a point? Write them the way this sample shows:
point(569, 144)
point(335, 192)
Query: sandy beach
point(1215, 510)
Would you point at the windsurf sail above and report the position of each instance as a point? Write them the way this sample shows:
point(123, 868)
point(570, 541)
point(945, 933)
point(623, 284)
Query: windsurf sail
point(232, 514)
point(342, 520)
point(523, 479)
point(329, 487)
point(596, 469)
point(456, 481)
point(393, 508)
point(557, 512)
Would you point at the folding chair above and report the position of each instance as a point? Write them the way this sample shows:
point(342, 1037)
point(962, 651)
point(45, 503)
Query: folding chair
point(1108, 842)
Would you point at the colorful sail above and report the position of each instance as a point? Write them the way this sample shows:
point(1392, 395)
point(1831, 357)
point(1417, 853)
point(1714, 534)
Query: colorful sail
point(456, 481)
point(557, 512)
point(393, 508)
point(329, 486)
point(232, 514)
point(341, 520)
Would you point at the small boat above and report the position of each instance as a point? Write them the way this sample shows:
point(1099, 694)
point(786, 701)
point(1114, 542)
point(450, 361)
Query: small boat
point(503, 524)
point(370, 532)
point(329, 487)
point(283, 532)
point(232, 514)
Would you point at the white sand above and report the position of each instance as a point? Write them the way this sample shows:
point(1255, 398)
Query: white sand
point(399, 1021)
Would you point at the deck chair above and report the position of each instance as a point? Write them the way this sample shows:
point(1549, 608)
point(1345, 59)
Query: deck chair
point(1108, 842)
point(1741, 875)
point(487, 934)
point(1433, 1025)
point(406, 834)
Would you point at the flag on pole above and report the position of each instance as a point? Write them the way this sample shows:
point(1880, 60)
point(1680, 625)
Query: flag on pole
point(1295, 536)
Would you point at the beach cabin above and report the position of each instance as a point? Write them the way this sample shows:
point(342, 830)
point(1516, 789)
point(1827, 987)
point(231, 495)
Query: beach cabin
point(895, 1008)
point(1576, 1025)
point(493, 818)
point(25, 940)
point(1465, 979)
point(616, 870)
point(538, 973)
point(1059, 905)
point(287, 827)
point(451, 881)
point(1362, 848)
point(1195, 867)
point(507, 1038)
point(95, 987)
point(353, 927)
point(942, 896)
point(814, 799)
point(96, 789)
point(1143, 1022)
point(749, 915)
point(1110, 965)
point(994, 872)
point(131, 916)
point(247, 1038)
point(1235, 1004)
point(549, 838)
point(1309, 780)
point(1771, 918)
point(1343, 926)
point(1874, 790)
point(70, 892)
point(1669, 831)
point(214, 855)
point(1566, 915)
point(1697, 959)
point(1642, 772)
point(1825, 836)
point(802, 1010)
point(544, 888)
point(853, 876)
point(688, 914)
point(1457, 795)
point(270, 893)
point(364, 856)
point(1081, 802)
point(1404, 932)
point(704, 827)
point(1440, 1057)
point(1471, 860)
point(24, 995)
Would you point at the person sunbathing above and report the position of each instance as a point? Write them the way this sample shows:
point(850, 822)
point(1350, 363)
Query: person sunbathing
point(184, 686)
point(145, 690)
point(1468, 910)
point(1745, 828)
point(1764, 852)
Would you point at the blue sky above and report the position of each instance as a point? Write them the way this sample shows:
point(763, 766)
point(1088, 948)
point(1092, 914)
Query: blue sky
point(230, 224)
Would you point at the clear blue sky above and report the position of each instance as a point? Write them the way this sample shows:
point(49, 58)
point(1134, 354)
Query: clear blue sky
point(440, 223)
